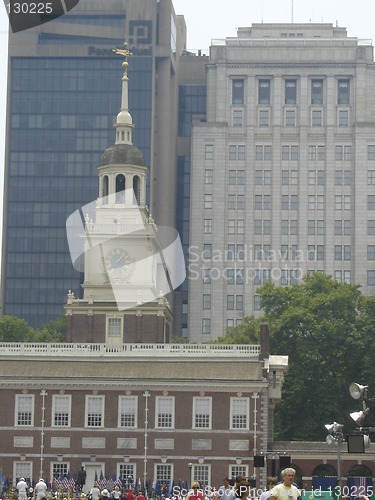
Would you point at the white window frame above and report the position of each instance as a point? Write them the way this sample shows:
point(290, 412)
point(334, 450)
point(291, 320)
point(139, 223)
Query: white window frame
point(206, 402)
point(23, 469)
point(101, 400)
point(236, 401)
point(132, 402)
point(116, 330)
point(56, 399)
point(126, 471)
point(30, 409)
point(168, 411)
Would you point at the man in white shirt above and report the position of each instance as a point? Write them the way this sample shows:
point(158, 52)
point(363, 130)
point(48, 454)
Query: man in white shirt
point(40, 489)
point(286, 490)
point(22, 489)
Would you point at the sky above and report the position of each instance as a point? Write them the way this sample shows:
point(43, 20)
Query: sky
point(217, 19)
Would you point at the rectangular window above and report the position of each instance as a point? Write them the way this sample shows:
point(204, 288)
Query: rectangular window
point(290, 91)
point(24, 411)
point(94, 411)
point(289, 153)
point(230, 302)
point(208, 201)
point(290, 118)
point(126, 471)
point(61, 410)
point(207, 226)
point(232, 152)
point(206, 301)
point(343, 91)
point(232, 202)
point(164, 473)
point(206, 326)
point(207, 251)
point(209, 152)
point(59, 469)
point(371, 278)
point(206, 276)
point(128, 411)
point(264, 118)
point(241, 152)
point(114, 327)
point(238, 91)
point(343, 177)
point(239, 413)
point(264, 92)
point(371, 177)
point(239, 302)
point(344, 118)
point(237, 118)
point(370, 202)
point(201, 473)
point(263, 152)
point(317, 92)
point(202, 412)
point(371, 227)
point(208, 176)
point(371, 152)
point(370, 252)
point(316, 118)
point(164, 412)
point(257, 303)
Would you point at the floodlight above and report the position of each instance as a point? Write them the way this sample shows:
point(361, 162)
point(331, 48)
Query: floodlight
point(358, 391)
point(359, 416)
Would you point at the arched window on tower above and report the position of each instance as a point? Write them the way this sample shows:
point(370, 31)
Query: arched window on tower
point(137, 189)
point(120, 188)
point(105, 190)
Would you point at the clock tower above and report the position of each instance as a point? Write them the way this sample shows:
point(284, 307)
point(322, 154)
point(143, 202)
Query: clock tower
point(125, 274)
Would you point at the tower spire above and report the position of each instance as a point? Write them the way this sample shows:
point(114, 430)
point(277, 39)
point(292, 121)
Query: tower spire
point(124, 122)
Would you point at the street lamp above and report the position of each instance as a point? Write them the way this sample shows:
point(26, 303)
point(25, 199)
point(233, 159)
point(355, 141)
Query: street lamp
point(190, 474)
point(43, 393)
point(336, 437)
point(358, 391)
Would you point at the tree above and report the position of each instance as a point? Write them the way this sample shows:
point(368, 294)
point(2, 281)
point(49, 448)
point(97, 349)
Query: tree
point(318, 324)
point(325, 328)
point(14, 329)
point(54, 331)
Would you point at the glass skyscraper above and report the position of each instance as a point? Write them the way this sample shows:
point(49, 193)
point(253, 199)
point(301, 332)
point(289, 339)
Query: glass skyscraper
point(64, 91)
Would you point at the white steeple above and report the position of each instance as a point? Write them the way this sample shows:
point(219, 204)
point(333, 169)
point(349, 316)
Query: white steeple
point(124, 121)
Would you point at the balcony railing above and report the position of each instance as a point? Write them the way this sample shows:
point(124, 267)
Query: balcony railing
point(10, 349)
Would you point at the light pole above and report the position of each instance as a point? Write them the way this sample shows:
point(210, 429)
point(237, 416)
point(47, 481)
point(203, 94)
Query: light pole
point(43, 394)
point(190, 474)
point(146, 395)
point(336, 437)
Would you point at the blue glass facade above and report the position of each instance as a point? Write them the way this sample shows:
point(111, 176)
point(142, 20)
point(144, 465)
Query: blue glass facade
point(191, 106)
point(62, 115)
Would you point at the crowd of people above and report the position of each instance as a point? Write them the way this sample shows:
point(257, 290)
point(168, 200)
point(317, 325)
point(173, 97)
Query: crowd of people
point(239, 489)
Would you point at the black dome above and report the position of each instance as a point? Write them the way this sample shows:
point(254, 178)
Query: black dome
point(122, 153)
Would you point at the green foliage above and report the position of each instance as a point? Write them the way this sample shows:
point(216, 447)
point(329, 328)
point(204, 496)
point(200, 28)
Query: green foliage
point(246, 333)
point(325, 328)
point(13, 329)
point(53, 332)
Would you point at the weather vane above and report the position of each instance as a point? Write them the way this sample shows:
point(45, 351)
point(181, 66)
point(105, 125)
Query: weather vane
point(124, 53)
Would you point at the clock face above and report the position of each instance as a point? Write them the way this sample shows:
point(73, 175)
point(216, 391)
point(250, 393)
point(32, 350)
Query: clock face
point(117, 261)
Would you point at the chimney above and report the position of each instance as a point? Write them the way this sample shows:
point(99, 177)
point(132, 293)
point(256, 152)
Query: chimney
point(264, 341)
